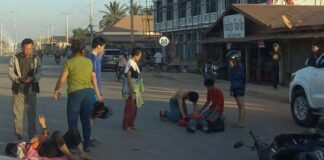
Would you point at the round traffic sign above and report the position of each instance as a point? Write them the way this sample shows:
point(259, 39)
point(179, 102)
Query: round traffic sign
point(164, 41)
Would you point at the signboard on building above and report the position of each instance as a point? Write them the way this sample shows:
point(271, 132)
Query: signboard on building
point(234, 26)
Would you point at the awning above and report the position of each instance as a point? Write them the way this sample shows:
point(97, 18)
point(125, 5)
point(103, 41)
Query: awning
point(258, 37)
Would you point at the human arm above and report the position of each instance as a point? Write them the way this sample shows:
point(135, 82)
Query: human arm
point(181, 109)
point(11, 71)
point(205, 106)
point(38, 71)
point(95, 87)
point(212, 115)
point(59, 84)
point(130, 84)
point(42, 121)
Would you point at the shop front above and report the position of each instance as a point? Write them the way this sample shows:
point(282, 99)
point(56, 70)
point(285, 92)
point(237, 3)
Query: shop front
point(253, 31)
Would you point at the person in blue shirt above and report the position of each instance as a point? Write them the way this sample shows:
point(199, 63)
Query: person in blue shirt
point(314, 56)
point(237, 90)
point(98, 46)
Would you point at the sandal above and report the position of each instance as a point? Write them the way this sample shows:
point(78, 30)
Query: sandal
point(128, 129)
point(94, 142)
point(237, 126)
point(162, 116)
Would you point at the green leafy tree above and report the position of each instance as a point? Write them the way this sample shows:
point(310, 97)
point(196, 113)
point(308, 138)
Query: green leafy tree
point(113, 13)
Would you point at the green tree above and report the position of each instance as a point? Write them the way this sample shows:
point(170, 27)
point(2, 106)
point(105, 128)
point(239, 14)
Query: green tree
point(114, 12)
point(137, 9)
point(80, 33)
point(147, 11)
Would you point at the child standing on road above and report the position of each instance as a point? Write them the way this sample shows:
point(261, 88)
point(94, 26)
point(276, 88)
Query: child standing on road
point(237, 89)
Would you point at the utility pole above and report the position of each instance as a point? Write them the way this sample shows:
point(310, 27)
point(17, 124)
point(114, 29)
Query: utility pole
point(67, 26)
point(67, 29)
point(91, 22)
point(1, 39)
point(4, 39)
point(132, 23)
point(48, 35)
point(16, 36)
point(52, 36)
point(40, 42)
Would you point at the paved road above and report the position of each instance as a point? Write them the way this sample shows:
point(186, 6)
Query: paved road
point(154, 139)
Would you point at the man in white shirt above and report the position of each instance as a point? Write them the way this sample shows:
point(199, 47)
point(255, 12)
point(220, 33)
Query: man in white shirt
point(158, 57)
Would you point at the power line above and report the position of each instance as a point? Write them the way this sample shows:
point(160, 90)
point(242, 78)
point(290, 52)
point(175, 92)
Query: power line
point(75, 4)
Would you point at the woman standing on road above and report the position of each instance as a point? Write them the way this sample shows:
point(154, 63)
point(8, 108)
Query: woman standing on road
point(132, 72)
point(121, 63)
point(237, 89)
point(80, 80)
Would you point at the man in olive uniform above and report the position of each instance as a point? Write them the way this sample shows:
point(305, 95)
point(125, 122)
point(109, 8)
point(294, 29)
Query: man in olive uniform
point(25, 72)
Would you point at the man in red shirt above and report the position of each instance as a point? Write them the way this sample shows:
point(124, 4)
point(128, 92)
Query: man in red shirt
point(215, 101)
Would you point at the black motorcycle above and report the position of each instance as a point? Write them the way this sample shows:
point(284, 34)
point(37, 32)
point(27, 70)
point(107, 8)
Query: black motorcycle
point(288, 147)
point(210, 71)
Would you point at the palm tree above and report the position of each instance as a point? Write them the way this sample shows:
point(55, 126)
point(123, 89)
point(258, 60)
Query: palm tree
point(137, 9)
point(114, 13)
point(147, 11)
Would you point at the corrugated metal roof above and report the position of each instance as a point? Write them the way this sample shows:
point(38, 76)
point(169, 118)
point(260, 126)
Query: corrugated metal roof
point(266, 37)
point(141, 24)
point(271, 15)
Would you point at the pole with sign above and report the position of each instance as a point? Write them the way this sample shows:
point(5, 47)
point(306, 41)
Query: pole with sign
point(164, 41)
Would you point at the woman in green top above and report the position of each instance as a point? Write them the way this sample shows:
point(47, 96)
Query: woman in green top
point(80, 80)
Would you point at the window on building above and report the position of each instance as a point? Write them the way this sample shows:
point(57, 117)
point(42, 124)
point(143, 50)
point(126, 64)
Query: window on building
point(195, 7)
point(211, 6)
point(170, 10)
point(182, 8)
point(159, 16)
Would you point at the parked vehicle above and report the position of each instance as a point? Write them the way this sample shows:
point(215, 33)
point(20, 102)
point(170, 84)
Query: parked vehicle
point(306, 95)
point(110, 59)
point(288, 147)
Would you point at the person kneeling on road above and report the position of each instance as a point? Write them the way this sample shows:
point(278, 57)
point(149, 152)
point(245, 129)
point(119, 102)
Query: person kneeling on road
point(215, 101)
point(178, 109)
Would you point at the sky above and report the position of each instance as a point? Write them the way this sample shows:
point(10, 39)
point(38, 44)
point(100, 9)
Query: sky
point(32, 18)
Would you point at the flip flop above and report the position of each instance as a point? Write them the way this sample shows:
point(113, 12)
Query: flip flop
point(128, 129)
point(162, 116)
point(236, 126)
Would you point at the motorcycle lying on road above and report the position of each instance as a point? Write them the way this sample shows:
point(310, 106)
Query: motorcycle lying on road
point(288, 147)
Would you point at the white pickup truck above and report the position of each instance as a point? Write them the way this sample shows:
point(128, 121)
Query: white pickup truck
point(306, 94)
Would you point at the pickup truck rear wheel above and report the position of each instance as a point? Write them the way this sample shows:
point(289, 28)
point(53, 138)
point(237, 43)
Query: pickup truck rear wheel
point(301, 111)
